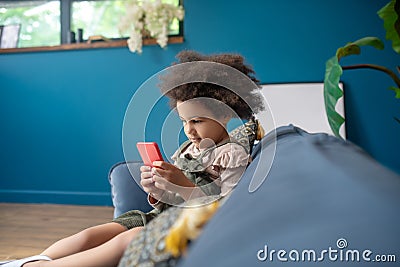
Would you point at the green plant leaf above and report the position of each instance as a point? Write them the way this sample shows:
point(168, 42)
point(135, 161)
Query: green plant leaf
point(372, 41)
point(332, 93)
point(353, 48)
point(396, 90)
point(349, 49)
point(390, 14)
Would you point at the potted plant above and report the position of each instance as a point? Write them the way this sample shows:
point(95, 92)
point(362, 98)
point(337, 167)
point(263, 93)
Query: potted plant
point(390, 14)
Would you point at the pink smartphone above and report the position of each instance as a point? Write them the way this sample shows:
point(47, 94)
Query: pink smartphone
point(149, 152)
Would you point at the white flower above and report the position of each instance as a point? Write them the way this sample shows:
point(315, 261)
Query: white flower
point(153, 16)
point(135, 42)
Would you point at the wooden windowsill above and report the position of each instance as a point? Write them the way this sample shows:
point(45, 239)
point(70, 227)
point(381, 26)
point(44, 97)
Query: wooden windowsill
point(78, 46)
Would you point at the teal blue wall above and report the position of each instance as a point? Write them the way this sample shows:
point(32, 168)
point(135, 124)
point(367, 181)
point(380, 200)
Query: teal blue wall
point(61, 112)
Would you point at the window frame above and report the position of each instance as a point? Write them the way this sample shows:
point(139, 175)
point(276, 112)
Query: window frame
point(65, 28)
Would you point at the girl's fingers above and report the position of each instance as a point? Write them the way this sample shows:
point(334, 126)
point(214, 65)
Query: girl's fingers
point(149, 187)
point(159, 186)
point(164, 184)
point(145, 168)
point(163, 168)
point(145, 175)
point(159, 182)
point(158, 171)
point(146, 182)
point(163, 165)
point(158, 163)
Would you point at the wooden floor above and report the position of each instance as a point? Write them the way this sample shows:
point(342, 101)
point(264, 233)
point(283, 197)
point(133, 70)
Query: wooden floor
point(27, 229)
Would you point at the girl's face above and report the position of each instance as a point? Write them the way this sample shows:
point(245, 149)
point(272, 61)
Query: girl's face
point(200, 124)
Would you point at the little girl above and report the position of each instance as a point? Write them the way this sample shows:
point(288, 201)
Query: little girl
point(209, 163)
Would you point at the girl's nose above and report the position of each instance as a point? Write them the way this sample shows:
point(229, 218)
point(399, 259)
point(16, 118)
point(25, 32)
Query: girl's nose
point(189, 129)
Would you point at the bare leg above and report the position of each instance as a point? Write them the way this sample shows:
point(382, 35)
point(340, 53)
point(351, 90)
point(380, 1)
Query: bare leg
point(105, 255)
point(84, 240)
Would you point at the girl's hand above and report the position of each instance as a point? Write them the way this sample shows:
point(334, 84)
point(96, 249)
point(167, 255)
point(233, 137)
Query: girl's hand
point(147, 182)
point(167, 176)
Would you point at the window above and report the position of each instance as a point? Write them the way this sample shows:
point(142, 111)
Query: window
point(102, 17)
point(97, 17)
point(50, 22)
point(39, 20)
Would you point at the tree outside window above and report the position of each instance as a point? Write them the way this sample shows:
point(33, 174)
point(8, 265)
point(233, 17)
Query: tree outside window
point(41, 20)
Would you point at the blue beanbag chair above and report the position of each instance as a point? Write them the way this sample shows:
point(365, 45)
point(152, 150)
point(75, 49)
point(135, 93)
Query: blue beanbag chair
point(125, 192)
point(323, 202)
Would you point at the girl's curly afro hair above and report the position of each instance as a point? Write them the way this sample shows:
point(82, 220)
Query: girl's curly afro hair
point(245, 101)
